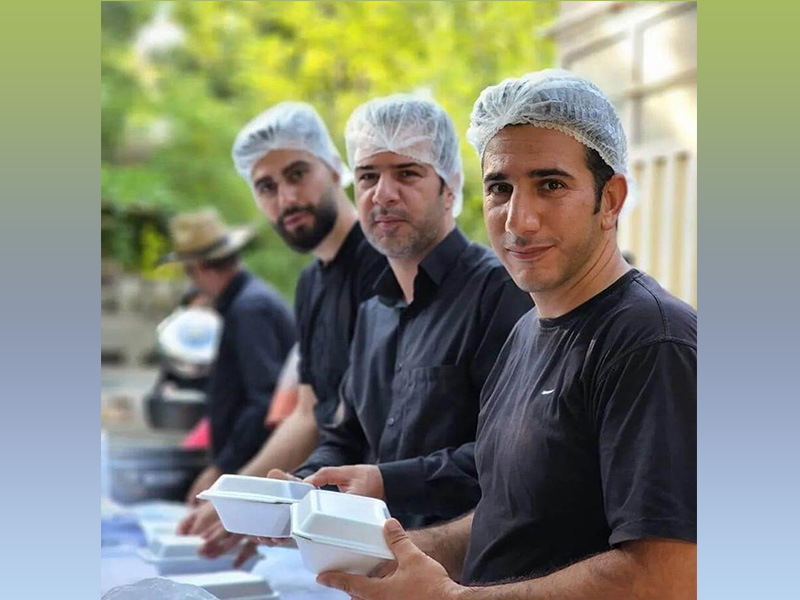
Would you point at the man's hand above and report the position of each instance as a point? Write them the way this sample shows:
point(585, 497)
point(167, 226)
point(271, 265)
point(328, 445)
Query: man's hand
point(203, 481)
point(218, 541)
point(363, 480)
point(278, 474)
point(200, 519)
point(416, 576)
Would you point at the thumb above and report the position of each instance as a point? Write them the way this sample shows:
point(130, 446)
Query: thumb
point(397, 538)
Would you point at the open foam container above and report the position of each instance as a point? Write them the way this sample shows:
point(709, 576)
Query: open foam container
point(231, 585)
point(175, 554)
point(340, 532)
point(255, 506)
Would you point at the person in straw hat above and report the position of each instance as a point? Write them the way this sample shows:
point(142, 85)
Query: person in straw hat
point(258, 333)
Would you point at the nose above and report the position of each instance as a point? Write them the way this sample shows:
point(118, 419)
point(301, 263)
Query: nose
point(523, 215)
point(287, 197)
point(386, 190)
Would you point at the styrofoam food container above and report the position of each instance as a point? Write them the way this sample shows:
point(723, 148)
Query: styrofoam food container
point(174, 554)
point(156, 529)
point(255, 505)
point(340, 532)
point(231, 585)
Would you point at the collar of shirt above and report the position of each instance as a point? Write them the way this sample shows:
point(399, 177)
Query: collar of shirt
point(230, 292)
point(434, 269)
point(346, 251)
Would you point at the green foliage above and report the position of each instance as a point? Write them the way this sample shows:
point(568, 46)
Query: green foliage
point(168, 121)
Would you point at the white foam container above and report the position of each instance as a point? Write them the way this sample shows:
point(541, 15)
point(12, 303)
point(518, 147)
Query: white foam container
point(155, 529)
point(255, 505)
point(231, 585)
point(340, 532)
point(176, 554)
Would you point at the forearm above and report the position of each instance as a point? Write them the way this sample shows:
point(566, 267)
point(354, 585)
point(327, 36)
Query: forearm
point(290, 443)
point(446, 544)
point(649, 570)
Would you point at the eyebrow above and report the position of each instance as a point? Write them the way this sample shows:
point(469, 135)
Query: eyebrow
point(533, 174)
point(285, 171)
point(407, 165)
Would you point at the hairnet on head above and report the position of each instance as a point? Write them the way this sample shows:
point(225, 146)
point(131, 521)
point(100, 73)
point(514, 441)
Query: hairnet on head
point(554, 99)
point(286, 126)
point(411, 126)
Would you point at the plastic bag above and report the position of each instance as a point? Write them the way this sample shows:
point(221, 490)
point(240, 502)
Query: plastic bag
point(157, 588)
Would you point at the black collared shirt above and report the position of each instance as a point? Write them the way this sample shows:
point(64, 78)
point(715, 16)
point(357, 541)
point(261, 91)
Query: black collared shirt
point(326, 306)
point(587, 435)
point(415, 378)
point(257, 334)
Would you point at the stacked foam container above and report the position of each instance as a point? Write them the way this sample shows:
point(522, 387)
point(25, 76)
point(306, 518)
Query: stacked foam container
point(333, 531)
point(176, 557)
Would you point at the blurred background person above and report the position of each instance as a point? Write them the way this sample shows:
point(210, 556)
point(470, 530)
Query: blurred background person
point(258, 333)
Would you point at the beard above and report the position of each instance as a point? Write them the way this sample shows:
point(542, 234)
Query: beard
point(306, 238)
point(406, 244)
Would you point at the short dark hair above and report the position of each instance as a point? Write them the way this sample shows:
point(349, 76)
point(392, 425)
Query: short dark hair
point(222, 264)
point(601, 173)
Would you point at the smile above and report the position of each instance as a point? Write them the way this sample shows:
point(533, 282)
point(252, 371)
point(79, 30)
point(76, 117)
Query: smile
point(529, 254)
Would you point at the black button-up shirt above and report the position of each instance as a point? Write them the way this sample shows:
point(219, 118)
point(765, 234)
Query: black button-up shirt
point(257, 334)
point(326, 306)
point(415, 378)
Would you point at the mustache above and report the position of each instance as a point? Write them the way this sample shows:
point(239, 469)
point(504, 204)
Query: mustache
point(517, 243)
point(292, 210)
point(383, 212)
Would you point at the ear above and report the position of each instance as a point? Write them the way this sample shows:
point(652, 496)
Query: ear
point(614, 195)
point(449, 198)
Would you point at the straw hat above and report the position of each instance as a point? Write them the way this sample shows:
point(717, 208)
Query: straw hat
point(203, 235)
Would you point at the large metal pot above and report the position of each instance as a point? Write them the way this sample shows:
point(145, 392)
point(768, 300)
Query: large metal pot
point(144, 470)
point(178, 409)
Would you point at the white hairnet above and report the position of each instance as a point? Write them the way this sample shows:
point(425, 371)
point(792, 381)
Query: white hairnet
point(286, 126)
point(555, 99)
point(411, 126)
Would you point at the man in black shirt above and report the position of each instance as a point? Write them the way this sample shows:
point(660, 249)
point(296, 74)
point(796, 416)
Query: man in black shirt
point(586, 448)
point(424, 346)
point(258, 332)
point(287, 157)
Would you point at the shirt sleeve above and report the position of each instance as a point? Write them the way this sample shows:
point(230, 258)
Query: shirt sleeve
point(260, 352)
point(442, 484)
point(646, 411)
point(342, 442)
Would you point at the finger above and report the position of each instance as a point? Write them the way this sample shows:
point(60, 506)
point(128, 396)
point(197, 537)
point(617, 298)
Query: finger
point(277, 474)
point(185, 526)
point(399, 543)
point(229, 542)
point(214, 544)
point(205, 520)
point(329, 476)
point(355, 585)
point(248, 550)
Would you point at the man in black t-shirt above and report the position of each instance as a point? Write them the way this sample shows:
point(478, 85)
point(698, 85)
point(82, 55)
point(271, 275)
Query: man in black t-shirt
point(586, 445)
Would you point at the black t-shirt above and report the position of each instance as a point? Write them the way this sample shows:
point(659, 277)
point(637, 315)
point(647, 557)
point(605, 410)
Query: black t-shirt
point(326, 305)
point(587, 435)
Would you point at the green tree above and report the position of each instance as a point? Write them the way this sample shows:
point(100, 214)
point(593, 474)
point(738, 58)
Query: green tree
point(169, 118)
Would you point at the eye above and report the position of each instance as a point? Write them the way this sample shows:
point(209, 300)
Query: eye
point(295, 175)
point(367, 178)
point(553, 185)
point(408, 174)
point(500, 190)
point(266, 188)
